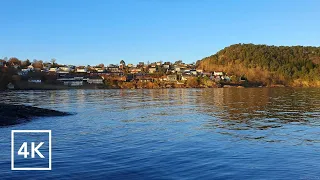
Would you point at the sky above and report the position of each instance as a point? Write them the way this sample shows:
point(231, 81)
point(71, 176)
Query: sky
point(90, 32)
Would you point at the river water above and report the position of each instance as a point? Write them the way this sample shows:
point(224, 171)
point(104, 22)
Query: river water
point(225, 133)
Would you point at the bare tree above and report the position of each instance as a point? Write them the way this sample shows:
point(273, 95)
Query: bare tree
point(53, 62)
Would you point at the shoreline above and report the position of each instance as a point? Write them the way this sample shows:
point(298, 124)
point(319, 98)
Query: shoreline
point(16, 114)
point(92, 88)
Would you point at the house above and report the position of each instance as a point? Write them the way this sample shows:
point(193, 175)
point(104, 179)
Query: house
point(68, 80)
point(186, 70)
point(99, 69)
point(72, 67)
point(193, 72)
point(23, 72)
point(130, 65)
point(177, 68)
point(113, 68)
point(227, 78)
point(53, 70)
point(81, 69)
point(30, 68)
point(95, 80)
point(171, 71)
point(47, 65)
point(218, 73)
point(73, 83)
point(64, 69)
point(45, 69)
point(152, 70)
point(135, 70)
point(172, 78)
point(35, 80)
point(199, 71)
point(158, 63)
point(166, 66)
point(185, 77)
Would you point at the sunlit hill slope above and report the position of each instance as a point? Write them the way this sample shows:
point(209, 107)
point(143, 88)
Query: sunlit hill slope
point(270, 65)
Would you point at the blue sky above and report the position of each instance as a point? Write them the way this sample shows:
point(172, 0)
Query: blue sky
point(102, 31)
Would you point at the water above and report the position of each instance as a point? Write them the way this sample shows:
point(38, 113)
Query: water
point(260, 133)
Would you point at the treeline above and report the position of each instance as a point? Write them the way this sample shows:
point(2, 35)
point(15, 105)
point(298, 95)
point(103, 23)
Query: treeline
point(21, 64)
point(287, 65)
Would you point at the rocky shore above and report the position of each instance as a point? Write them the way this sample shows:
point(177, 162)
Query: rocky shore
point(16, 114)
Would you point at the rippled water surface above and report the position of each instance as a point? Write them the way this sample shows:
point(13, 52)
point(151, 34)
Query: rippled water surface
point(232, 133)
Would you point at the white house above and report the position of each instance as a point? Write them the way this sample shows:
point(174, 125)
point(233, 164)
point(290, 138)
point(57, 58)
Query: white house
point(99, 69)
point(135, 70)
point(218, 73)
point(53, 70)
point(193, 72)
point(30, 67)
point(65, 69)
point(83, 70)
point(152, 70)
point(23, 72)
point(166, 66)
point(199, 71)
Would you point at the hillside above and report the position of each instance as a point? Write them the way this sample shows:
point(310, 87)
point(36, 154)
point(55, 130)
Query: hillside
point(287, 65)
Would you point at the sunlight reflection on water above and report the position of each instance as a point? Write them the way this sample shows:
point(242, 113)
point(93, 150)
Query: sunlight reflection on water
point(264, 133)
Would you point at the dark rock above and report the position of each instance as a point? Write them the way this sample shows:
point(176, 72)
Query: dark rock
point(16, 114)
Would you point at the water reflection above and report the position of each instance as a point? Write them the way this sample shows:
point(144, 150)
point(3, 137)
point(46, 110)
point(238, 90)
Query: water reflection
point(250, 113)
point(262, 108)
point(254, 113)
point(176, 133)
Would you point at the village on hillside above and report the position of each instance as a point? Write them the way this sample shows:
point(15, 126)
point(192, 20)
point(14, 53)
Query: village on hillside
point(50, 75)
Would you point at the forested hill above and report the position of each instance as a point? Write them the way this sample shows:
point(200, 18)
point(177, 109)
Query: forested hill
point(289, 65)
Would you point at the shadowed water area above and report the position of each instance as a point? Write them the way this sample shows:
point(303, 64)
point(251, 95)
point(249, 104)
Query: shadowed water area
point(227, 133)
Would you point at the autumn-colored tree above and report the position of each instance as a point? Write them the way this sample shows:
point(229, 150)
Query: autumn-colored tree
point(101, 65)
point(192, 82)
point(25, 64)
point(37, 64)
point(260, 63)
point(14, 61)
